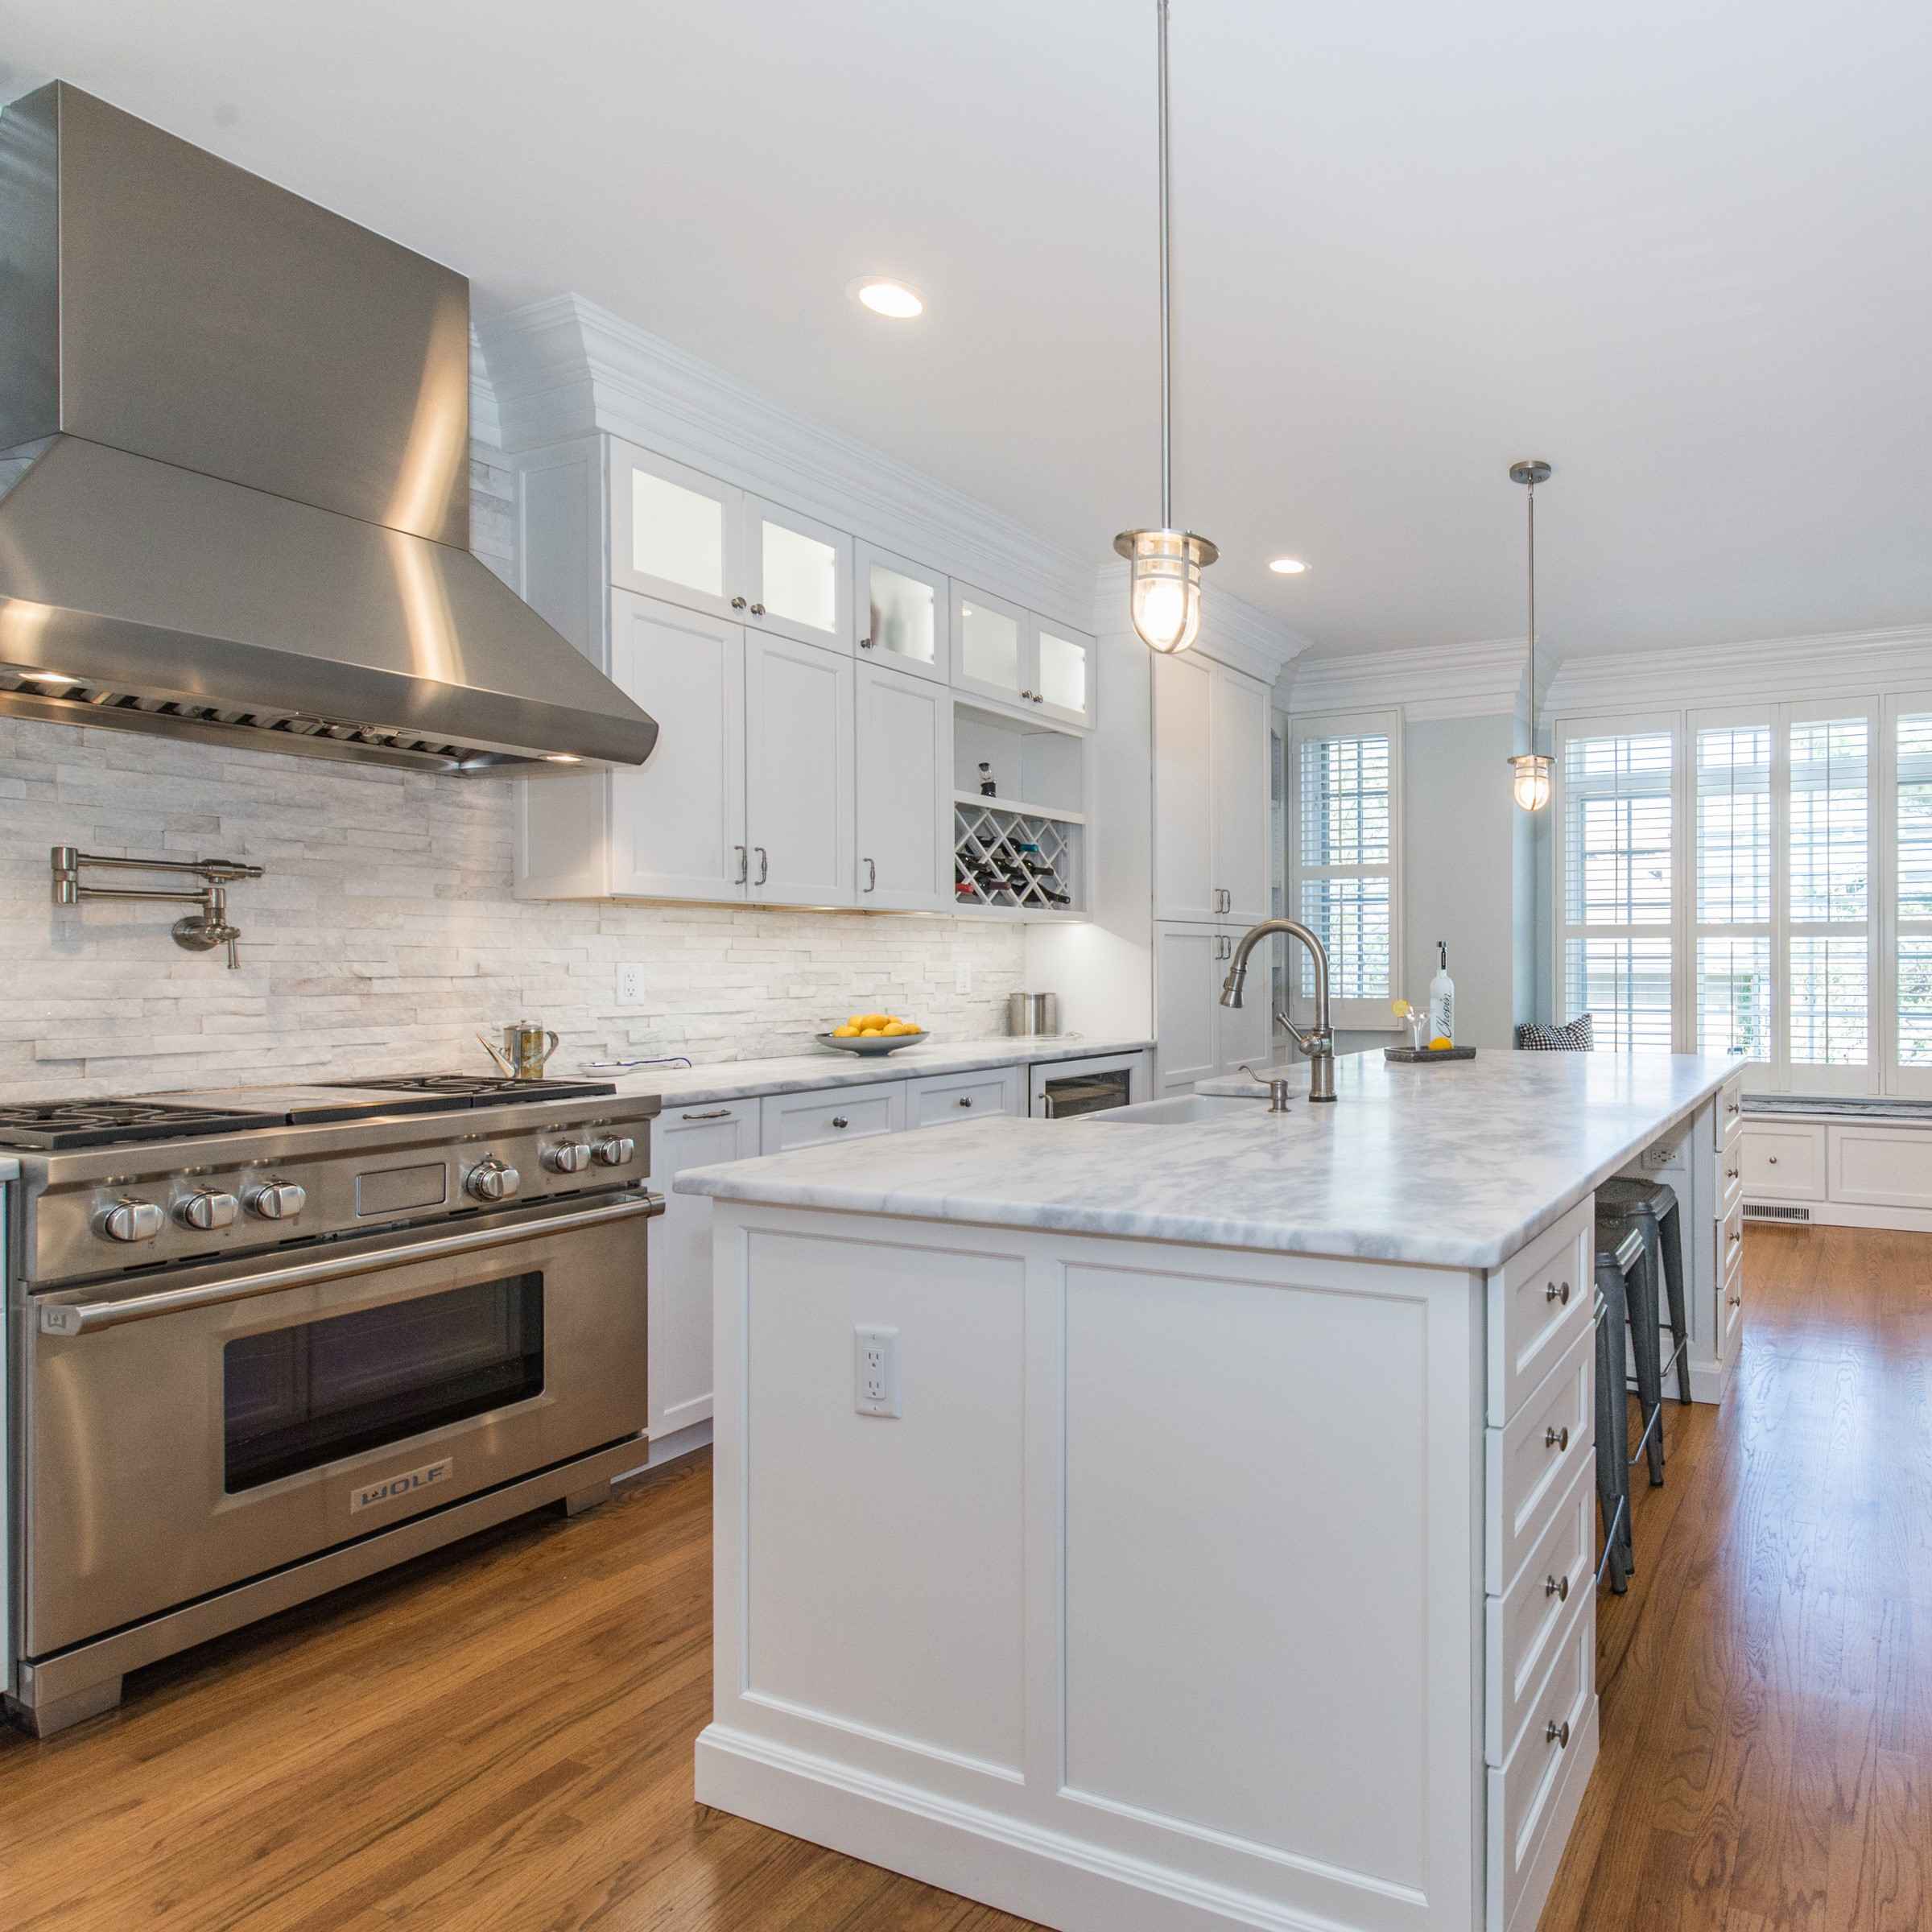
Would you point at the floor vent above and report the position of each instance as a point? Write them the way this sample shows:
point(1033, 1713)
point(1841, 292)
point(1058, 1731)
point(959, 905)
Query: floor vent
point(1774, 1211)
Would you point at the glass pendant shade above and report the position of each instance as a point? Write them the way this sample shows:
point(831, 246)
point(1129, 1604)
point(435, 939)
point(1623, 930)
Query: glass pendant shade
point(1164, 585)
point(1531, 784)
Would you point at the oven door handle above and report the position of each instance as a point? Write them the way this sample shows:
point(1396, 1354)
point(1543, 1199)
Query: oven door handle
point(63, 1318)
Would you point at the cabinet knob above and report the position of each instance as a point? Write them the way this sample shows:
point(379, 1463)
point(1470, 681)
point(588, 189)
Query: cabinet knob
point(965, 1100)
point(1736, 1236)
point(1771, 1158)
point(1737, 1301)
point(1554, 1293)
point(1557, 1587)
point(1557, 1734)
point(839, 1120)
point(757, 610)
point(738, 603)
point(1556, 1438)
point(864, 643)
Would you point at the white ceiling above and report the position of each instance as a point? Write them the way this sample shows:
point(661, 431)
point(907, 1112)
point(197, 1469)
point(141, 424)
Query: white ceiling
point(1680, 249)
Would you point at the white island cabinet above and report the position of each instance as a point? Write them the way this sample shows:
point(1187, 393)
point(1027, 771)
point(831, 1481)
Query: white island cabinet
point(1139, 1525)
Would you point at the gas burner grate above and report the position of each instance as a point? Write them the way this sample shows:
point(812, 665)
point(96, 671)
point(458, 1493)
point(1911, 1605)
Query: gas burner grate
point(480, 1089)
point(53, 1126)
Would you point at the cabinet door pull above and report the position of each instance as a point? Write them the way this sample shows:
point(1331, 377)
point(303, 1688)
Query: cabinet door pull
point(1553, 1293)
point(743, 865)
point(1556, 1438)
point(711, 1113)
point(872, 876)
point(764, 865)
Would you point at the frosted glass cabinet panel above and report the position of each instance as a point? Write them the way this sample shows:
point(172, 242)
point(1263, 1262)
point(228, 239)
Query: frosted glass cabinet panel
point(1064, 683)
point(992, 645)
point(673, 531)
point(799, 576)
point(903, 614)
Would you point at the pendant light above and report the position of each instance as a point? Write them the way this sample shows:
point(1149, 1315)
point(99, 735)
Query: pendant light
point(1531, 784)
point(1164, 579)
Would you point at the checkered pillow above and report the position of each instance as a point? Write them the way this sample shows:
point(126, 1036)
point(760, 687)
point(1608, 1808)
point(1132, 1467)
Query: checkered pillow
point(1577, 1037)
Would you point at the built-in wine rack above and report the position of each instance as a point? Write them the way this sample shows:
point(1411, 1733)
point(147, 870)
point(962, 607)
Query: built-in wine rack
point(1015, 858)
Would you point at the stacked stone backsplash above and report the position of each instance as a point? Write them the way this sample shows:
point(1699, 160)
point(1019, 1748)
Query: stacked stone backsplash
point(384, 936)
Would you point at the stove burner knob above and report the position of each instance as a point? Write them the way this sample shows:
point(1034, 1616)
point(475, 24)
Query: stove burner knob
point(207, 1208)
point(490, 1180)
point(133, 1220)
point(573, 1157)
point(277, 1200)
point(616, 1153)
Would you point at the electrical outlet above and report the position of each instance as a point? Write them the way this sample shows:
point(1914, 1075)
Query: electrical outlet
point(962, 978)
point(876, 1371)
point(630, 985)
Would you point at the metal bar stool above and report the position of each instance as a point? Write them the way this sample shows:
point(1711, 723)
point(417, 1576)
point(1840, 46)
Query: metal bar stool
point(1613, 1410)
point(1650, 1208)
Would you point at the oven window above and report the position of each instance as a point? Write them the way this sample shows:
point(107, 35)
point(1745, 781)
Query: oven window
point(295, 1398)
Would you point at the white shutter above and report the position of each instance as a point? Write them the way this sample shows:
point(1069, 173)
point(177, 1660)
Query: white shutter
point(1830, 898)
point(1617, 861)
point(1344, 875)
point(1910, 1067)
point(1732, 1007)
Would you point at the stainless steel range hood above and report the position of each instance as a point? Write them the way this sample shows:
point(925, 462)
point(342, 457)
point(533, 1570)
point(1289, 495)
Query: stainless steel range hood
point(236, 476)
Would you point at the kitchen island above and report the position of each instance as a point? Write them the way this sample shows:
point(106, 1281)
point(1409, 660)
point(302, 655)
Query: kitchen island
point(1143, 1525)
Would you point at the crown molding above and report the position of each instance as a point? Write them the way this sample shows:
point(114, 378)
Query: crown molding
point(1232, 633)
point(1476, 680)
point(563, 367)
point(1767, 670)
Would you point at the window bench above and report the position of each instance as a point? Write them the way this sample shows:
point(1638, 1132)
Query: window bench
point(1838, 1161)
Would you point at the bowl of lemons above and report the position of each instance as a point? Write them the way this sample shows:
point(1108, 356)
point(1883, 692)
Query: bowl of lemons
point(873, 1033)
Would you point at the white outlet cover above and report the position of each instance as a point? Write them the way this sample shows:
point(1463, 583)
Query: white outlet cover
point(875, 1370)
point(630, 984)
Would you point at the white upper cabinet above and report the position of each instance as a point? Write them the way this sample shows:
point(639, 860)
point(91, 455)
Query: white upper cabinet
point(797, 577)
point(677, 823)
point(675, 533)
point(1241, 707)
point(1210, 791)
point(904, 781)
point(798, 772)
point(902, 612)
point(1002, 652)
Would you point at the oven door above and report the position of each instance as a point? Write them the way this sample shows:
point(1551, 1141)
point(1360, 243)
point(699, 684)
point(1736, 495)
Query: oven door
point(201, 1428)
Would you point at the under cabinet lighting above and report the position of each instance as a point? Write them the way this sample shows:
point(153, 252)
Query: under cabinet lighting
point(892, 300)
point(562, 757)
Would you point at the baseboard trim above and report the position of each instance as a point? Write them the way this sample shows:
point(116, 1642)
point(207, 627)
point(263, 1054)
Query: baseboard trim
point(1046, 1876)
point(668, 1448)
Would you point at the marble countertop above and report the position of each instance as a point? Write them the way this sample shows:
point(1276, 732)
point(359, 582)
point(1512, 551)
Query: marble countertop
point(802, 1073)
point(1453, 1165)
point(1848, 1107)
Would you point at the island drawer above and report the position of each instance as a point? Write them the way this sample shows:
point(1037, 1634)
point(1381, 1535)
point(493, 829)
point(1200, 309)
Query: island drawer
point(1727, 1115)
point(1533, 1797)
point(1529, 1465)
point(847, 1113)
point(1731, 1238)
point(942, 1100)
point(1523, 1629)
point(1540, 1300)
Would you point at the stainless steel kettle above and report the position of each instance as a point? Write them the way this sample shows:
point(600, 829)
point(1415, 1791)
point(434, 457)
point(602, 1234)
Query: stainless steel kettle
point(527, 1046)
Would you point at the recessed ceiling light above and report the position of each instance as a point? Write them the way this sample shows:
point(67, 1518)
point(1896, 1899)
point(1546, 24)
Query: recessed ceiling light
point(890, 299)
point(1286, 567)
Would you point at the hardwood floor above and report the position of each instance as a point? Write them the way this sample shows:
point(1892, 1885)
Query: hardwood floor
point(500, 1736)
point(1767, 1683)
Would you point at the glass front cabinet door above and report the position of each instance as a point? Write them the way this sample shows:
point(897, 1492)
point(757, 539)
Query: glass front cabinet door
point(1035, 665)
point(902, 612)
point(1065, 662)
point(674, 532)
point(798, 576)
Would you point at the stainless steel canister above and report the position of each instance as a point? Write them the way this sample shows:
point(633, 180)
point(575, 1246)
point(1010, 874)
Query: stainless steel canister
point(1030, 1014)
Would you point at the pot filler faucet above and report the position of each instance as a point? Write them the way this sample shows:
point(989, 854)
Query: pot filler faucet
point(1317, 1041)
point(199, 932)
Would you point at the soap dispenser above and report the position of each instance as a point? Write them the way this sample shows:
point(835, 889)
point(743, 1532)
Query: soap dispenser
point(1442, 998)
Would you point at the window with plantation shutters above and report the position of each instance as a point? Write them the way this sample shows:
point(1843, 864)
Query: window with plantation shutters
point(1617, 939)
point(1911, 738)
point(1829, 1003)
point(1345, 868)
point(1732, 866)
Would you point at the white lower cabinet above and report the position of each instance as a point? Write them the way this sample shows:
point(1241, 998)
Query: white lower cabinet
point(1784, 1163)
point(845, 1114)
point(678, 1370)
point(1197, 1038)
point(944, 1100)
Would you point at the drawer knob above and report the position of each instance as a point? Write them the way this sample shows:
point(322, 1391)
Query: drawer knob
point(1736, 1236)
point(1553, 1292)
point(1556, 1438)
point(1557, 1734)
point(965, 1100)
point(1730, 1173)
point(1771, 1158)
point(1557, 1587)
point(1737, 1301)
point(839, 1120)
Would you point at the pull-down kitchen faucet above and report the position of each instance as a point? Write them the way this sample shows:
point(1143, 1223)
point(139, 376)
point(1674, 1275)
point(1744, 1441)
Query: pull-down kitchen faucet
point(1317, 1041)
